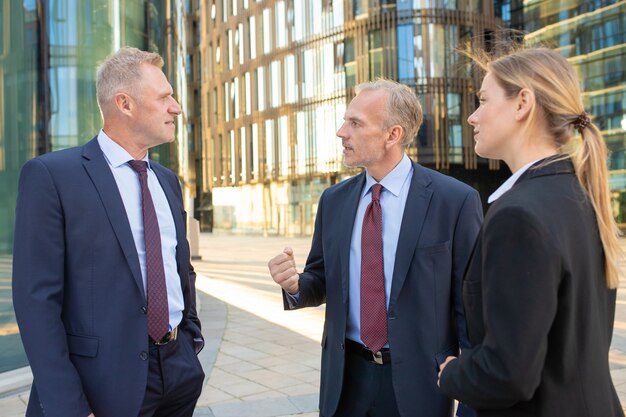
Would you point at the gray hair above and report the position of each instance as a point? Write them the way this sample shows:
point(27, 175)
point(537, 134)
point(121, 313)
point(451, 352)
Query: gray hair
point(402, 107)
point(121, 71)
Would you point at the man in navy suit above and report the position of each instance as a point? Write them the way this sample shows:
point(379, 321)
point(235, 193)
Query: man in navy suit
point(407, 304)
point(101, 259)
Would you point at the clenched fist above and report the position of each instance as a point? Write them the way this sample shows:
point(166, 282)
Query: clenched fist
point(283, 270)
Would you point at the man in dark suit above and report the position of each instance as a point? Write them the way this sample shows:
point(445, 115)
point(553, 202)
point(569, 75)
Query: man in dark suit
point(102, 284)
point(391, 281)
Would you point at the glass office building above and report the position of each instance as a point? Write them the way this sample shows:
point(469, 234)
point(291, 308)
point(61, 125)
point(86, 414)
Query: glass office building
point(592, 35)
point(278, 75)
point(49, 51)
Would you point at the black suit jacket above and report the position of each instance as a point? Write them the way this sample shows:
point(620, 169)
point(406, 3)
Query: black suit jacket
point(538, 310)
point(77, 286)
point(441, 220)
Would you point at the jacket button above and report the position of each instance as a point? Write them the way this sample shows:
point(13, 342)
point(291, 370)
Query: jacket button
point(343, 346)
point(144, 310)
point(143, 356)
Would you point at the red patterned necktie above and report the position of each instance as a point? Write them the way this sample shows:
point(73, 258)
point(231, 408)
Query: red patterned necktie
point(373, 299)
point(158, 312)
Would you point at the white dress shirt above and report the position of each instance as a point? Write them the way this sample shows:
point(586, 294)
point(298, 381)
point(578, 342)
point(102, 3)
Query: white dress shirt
point(393, 198)
point(130, 190)
point(508, 184)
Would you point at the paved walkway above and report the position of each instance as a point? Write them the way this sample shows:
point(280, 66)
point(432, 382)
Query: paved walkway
point(261, 361)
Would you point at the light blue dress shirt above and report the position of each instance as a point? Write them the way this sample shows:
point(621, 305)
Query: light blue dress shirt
point(128, 184)
point(392, 200)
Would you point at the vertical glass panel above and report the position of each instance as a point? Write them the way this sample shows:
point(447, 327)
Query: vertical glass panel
point(240, 43)
point(291, 89)
point(283, 138)
point(276, 85)
point(375, 54)
point(252, 36)
point(420, 62)
point(404, 5)
point(260, 82)
point(269, 148)
point(349, 62)
point(255, 151)
point(338, 15)
point(226, 102)
point(436, 41)
point(406, 53)
point(309, 74)
point(267, 31)
point(315, 16)
point(359, 7)
point(455, 135)
point(298, 21)
point(233, 154)
point(281, 26)
point(235, 97)
point(328, 69)
point(244, 154)
point(230, 49)
point(248, 89)
point(301, 142)
point(450, 4)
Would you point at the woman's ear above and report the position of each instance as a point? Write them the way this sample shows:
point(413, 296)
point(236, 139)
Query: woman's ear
point(525, 103)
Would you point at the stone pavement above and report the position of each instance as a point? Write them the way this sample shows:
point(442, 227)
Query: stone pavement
point(261, 361)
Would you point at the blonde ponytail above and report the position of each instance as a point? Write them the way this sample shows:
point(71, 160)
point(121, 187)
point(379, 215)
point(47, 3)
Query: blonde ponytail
point(590, 160)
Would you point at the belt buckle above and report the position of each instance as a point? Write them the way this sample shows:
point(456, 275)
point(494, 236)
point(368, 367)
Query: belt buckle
point(377, 357)
point(169, 336)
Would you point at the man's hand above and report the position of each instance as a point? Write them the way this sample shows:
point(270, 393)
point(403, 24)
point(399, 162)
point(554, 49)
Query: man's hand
point(283, 270)
point(443, 365)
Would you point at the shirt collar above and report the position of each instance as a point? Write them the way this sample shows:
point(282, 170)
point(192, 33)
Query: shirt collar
point(394, 181)
point(114, 153)
point(508, 184)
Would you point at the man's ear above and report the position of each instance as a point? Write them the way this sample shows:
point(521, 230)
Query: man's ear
point(124, 103)
point(395, 135)
point(524, 104)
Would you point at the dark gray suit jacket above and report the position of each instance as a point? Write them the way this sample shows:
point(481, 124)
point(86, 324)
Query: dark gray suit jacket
point(77, 286)
point(441, 220)
point(538, 310)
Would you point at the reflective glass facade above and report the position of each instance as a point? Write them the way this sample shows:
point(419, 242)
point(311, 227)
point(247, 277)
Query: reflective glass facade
point(49, 51)
point(279, 75)
point(592, 35)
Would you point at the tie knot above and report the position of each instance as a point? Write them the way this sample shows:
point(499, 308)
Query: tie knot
point(139, 166)
point(376, 190)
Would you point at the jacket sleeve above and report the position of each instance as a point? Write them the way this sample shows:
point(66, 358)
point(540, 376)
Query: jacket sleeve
point(465, 234)
point(520, 279)
point(312, 281)
point(38, 291)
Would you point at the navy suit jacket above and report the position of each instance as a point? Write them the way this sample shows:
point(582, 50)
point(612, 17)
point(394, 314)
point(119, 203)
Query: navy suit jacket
point(426, 323)
point(77, 286)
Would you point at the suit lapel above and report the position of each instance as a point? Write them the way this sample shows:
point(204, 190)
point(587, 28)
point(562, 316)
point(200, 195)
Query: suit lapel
point(347, 218)
point(413, 218)
point(98, 170)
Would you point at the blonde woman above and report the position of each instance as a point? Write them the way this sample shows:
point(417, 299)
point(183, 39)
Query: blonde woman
point(539, 292)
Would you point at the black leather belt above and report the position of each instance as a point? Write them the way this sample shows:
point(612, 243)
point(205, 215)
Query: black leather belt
point(382, 357)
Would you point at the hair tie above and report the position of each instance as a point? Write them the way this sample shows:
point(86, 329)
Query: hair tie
point(582, 121)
